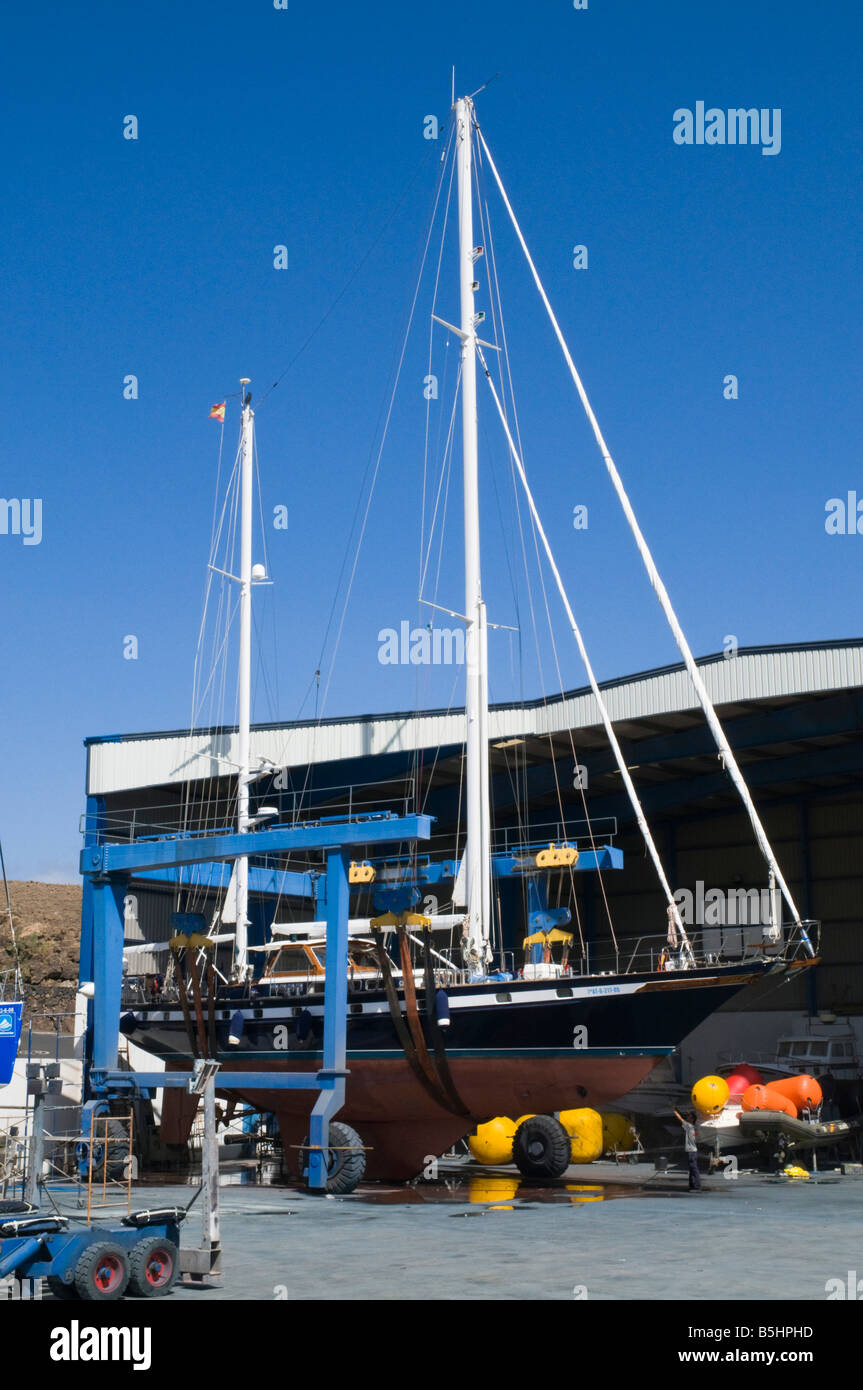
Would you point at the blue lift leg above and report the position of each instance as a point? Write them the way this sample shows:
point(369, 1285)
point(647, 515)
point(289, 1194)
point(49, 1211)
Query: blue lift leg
point(107, 895)
point(329, 1102)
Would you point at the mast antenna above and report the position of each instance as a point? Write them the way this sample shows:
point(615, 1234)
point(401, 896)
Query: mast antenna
point(484, 85)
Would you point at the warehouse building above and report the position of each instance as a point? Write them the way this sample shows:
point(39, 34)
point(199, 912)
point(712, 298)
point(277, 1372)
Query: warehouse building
point(793, 714)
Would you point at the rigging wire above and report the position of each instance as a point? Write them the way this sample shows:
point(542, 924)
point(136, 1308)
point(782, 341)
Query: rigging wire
point(383, 439)
point(609, 728)
point(373, 467)
point(507, 387)
point(18, 975)
point(352, 277)
point(725, 751)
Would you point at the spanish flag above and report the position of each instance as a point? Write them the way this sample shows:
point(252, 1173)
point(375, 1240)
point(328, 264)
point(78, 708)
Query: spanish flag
point(218, 412)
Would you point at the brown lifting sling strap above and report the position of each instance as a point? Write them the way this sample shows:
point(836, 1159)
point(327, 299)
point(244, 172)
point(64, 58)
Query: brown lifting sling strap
point(435, 1081)
point(178, 943)
point(441, 1059)
point(405, 1041)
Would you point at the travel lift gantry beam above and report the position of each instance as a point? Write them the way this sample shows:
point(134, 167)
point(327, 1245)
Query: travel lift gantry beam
point(108, 867)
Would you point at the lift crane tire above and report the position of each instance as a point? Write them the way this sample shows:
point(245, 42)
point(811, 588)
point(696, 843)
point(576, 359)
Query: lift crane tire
point(345, 1164)
point(541, 1147)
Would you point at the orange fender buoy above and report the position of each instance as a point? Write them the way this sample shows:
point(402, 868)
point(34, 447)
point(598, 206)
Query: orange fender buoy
point(765, 1098)
point(803, 1091)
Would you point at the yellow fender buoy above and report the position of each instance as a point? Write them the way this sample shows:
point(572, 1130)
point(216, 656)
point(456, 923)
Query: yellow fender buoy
point(618, 1133)
point(492, 1142)
point(710, 1094)
point(584, 1127)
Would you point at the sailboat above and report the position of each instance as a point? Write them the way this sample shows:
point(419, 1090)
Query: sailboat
point(438, 1042)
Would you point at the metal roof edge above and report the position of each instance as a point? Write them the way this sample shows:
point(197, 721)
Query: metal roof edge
point(537, 703)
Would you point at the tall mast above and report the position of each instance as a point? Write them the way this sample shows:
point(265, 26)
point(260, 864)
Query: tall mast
point(245, 677)
point(477, 855)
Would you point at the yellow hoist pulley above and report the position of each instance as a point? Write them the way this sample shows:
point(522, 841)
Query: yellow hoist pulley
point(557, 857)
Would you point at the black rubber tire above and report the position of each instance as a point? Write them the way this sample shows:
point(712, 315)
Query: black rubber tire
point(541, 1147)
point(345, 1167)
point(102, 1272)
point(64, 1292)
point(154, 1267)
point(108, 1160)
point(113, 1165)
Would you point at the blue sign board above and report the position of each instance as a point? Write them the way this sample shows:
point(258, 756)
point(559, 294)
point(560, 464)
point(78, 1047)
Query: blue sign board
point(10, 1032)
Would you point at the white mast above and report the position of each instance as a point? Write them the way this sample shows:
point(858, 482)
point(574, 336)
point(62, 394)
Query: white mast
point(245, 678)
point(477, 854)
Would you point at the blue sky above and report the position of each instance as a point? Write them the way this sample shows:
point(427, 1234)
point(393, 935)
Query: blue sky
point(304, 127)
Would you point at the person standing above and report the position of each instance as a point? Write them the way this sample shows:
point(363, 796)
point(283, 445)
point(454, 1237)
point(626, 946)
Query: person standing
point(691, 1150)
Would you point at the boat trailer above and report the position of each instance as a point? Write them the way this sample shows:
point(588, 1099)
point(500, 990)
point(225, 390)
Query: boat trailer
point(101, 1263)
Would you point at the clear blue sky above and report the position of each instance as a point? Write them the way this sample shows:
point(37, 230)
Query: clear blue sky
point(259, 127)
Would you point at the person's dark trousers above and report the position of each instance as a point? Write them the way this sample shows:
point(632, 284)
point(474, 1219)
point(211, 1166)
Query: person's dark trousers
point(694, 1175)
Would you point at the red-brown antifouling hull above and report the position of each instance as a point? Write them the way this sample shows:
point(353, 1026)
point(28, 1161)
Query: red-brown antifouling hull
point(402, 1127)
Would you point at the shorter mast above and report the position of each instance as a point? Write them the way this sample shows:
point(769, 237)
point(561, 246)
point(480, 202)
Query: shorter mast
point(241, 865)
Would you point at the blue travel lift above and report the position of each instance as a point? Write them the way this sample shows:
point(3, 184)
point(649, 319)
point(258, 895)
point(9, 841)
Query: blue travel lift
point(141, 1255)
point(107, 869)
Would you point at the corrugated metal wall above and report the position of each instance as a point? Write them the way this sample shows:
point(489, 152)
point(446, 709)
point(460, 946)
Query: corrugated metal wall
point(720, 852)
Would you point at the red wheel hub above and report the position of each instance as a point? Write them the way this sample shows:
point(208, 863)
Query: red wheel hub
point(159, 1268)
point(108, 1274)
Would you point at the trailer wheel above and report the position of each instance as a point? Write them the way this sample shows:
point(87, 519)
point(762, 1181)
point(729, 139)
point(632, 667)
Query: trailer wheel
point(102, 1272)
point(64, 1292)
point(541, 1147)
point(154, 1265)
point(345, 1165)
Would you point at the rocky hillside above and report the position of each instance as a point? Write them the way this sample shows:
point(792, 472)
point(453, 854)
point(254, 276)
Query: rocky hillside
point(47, 919)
